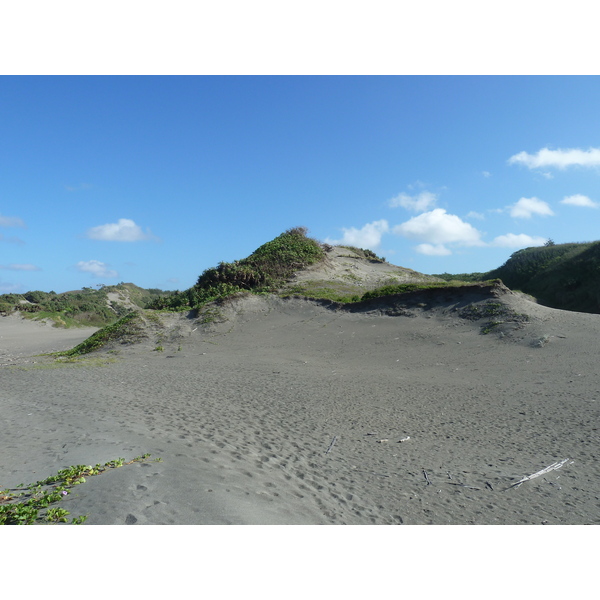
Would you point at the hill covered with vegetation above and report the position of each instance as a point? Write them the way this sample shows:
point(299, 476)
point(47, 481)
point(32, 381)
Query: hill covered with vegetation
point(86, 307)
point(265, 270)
point(291, 265)
point(294, 264)
point(565, 276)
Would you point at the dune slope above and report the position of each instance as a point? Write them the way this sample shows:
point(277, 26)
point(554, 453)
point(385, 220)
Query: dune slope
point(407, 410)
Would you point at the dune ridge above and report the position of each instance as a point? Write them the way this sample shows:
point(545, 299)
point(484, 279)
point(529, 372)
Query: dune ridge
point(267, 410)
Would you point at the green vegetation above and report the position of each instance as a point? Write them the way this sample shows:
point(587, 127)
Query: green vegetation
point(492, 310)
point(32, 505)
point(362, 253)
point(472, 312)
point(211, 314)
point(527, 263)
point(336, 292)
point(265, 270)
point(86, 307)
point(565, 276)
point(269, 267)
point(465, 277)
point(127, 329)
point(489, 327)
point(323, 290)
point(406, 288)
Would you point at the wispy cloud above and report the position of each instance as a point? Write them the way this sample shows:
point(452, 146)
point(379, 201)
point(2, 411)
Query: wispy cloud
point(96, 269)
point(520, 240)
point(525, 208)
point(436, 229)
point(124, 230)
point(368, 237)
point(11, 221)
point(24, 267)
point(9, 288)
point(475, 215)
point(486, 174)
point(580, 200)
point(78, 188)
point(560, 159)
point(433, 249)
point(11, 240)
point(421, 202)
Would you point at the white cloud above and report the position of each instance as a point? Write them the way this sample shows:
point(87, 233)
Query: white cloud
point(24, 267)
point(560, 159)
point(367, 237)
point(521, 240)
point(475, 215)
point(525, 208)
point(580, 200)
point(96, 268)
point(125, 230)
point(433, 249)
point(437, 228)
point(422, 202)
point(11, 222)
point(486, 174)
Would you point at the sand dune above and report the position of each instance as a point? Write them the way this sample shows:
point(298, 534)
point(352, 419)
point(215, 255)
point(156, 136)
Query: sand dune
point(21, 337)
point(293, 412)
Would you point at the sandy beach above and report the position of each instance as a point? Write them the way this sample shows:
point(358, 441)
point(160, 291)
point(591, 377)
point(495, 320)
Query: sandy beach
point(296, 412)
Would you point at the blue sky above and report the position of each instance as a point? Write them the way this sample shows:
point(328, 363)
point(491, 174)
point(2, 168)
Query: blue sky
point(153, 179)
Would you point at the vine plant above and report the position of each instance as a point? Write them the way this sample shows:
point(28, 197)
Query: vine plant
point(28, 505)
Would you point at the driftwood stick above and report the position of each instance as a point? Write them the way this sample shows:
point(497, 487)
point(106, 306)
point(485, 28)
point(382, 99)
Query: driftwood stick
point(331, 445)
point(426, 477)
point(552, 467)
point(471, 487)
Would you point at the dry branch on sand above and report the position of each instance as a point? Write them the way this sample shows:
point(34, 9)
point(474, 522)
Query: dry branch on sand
point(331, 445)
point(552, 467)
